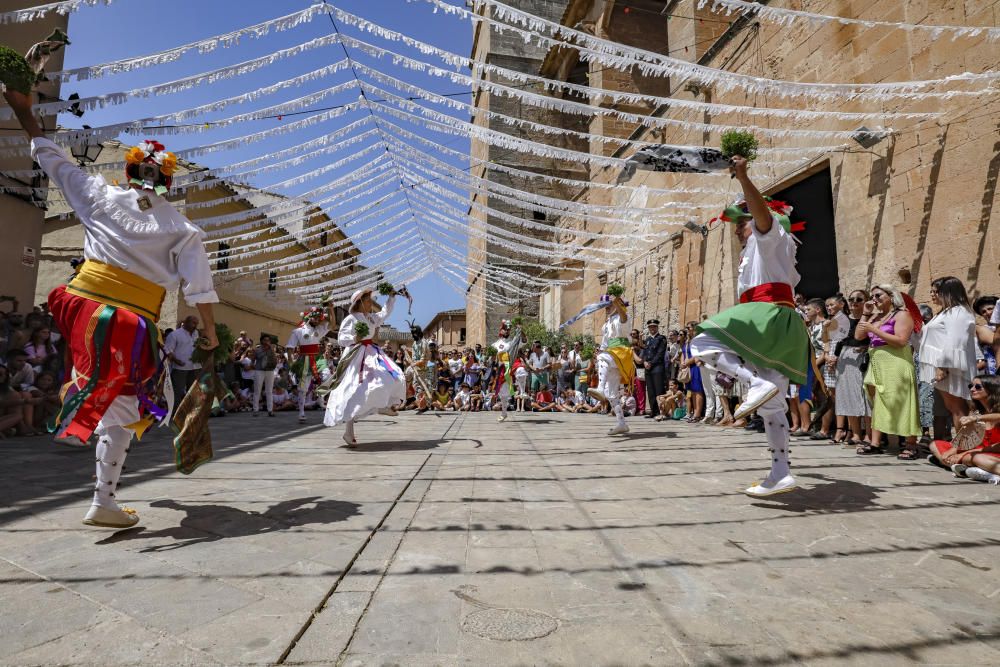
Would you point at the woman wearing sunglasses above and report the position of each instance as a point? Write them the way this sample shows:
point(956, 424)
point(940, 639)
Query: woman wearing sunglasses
point(891, 379)
point(849, 354)
point(981, 462)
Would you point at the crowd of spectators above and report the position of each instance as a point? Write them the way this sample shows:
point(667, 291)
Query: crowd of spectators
point(885, 368)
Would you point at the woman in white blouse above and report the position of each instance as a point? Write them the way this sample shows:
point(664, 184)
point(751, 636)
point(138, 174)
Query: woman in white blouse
point(948, 346)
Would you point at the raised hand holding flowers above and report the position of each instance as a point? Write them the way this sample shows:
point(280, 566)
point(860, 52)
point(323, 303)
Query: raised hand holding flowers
point(361, 330)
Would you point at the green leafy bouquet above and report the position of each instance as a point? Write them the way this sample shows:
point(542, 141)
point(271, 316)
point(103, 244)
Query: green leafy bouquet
point(220, 354)
point(386, 289)
point(361, 330)
point(615, 290)
point(739, 142)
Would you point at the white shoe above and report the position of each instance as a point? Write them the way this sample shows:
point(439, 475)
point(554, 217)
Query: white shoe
point(302, 418)
point(619, 429)
point(69, 441)
point(106, 517)
point(593, 393)
point(761, 391)
point(783, 485)
point(388, 412)
point(502, 418)
point(351, 441)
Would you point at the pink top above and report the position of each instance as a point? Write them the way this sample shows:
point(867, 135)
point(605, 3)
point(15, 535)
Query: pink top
point(889, 327)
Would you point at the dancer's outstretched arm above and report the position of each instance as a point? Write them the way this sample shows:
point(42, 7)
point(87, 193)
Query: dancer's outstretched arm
point(755, 200)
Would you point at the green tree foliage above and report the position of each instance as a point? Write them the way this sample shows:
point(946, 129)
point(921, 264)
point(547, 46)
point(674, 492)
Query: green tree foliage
point(535, 330)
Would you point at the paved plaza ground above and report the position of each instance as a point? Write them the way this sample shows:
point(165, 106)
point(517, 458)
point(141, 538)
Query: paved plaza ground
point(447, 539)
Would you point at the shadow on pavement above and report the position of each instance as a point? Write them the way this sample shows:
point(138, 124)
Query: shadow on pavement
point(833, 497)
point(210, 523)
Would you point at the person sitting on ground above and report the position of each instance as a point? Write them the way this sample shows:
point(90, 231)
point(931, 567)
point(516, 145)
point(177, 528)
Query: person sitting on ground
point(670, 401)
point(233, 402)
point(566, 401)
point(283, 401)
point(47, 390)
point(586, 403)
point(17, 408)
point(544, 402)
point(979, 462)
point(442, 398)
point(629, 404)
point(463, 399)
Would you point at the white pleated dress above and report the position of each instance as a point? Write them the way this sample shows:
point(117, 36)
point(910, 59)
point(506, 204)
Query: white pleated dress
point(371, 381)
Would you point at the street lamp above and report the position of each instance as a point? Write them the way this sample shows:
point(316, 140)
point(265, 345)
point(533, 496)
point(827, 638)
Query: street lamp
point(86, 152)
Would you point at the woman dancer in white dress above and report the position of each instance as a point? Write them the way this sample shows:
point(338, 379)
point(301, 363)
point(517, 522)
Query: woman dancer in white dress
point(366, 380)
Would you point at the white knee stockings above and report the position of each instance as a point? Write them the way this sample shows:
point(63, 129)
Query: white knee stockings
point(112, 447)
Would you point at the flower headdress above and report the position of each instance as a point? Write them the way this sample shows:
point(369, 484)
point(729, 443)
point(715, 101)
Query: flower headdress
point(153, 153)
point(739, 211)
point(313, 312)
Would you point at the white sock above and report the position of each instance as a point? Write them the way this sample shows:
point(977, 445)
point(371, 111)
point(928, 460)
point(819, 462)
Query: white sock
point(619, 412)
point(981, 475)
point(112, 447)
point(776, 429)
point(349, 430)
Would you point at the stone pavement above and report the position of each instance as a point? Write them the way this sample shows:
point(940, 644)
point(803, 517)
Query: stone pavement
point(449, 539)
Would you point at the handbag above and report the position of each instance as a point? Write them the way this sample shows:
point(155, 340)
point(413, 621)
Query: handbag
point(684, 375)
point(864, 360)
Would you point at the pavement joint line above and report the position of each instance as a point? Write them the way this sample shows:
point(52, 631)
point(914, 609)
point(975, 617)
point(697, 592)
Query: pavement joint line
point(615, 553)
point(333, 589)
point(104, 606)
point(440, 457)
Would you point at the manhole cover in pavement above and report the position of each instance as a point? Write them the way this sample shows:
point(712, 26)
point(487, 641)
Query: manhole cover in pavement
point(509, 624)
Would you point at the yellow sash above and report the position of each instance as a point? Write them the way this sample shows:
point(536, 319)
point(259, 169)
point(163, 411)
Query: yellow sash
point(625, 362)
point(117, 287)
point(503, 357)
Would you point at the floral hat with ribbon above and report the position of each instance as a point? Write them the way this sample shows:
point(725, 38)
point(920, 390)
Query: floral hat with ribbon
point(313, 313)
point(739, 211)
point(150, 166)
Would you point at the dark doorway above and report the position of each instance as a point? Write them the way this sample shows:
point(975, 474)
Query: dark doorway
point(812, 203)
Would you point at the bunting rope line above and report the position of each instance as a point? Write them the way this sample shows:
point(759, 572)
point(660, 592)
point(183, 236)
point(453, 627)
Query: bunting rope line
point(783, 16)
point(40, 11)
point(189, 82)
point(203, 46)
point(617, 97)
point(621, 57)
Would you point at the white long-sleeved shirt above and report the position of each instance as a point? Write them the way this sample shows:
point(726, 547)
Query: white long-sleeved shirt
point(158, 243)
point(346, 336)
point(181, 343)
point(768, 258)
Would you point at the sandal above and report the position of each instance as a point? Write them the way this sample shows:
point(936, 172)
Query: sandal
point(908, 455)
point(867, 449)
point(839, 437)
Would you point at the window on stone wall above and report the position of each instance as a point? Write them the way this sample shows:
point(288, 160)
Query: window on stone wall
point(322, 239)
point(538, 216)
point(272, 281)
point(461, 335)
point(223, 257)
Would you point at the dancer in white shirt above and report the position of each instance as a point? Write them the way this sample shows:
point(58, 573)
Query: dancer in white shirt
point(366, 380)
point(136, 247)
point(305, 340)
point(508, 364)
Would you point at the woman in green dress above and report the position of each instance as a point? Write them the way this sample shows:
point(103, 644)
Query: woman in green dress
point(891, 378)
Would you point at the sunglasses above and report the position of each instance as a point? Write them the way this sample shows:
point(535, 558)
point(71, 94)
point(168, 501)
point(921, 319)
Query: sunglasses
point(856, 299)
point(977, 386)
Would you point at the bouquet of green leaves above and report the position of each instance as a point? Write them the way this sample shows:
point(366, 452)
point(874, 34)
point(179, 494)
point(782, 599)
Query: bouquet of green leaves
point(386, 289)
point(220, 354)
point(738, 142)
point(21, 73)
point(615, 290)
point(491, 352)
point(517, 322)
point(361, 330)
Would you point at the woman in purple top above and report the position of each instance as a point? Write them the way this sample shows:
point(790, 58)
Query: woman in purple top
point(891, 379)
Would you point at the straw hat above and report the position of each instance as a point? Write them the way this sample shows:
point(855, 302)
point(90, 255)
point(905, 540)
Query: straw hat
point(357, 296)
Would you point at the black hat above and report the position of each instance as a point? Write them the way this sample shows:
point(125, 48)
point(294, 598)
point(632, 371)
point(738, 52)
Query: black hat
point(653, 322)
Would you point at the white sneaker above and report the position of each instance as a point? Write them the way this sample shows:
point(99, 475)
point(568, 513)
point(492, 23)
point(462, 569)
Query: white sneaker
point(388, 412)
point(502, 418)
point(350, 440)
point(302, 418)
point(69, 441)
point(619, 429)
point(783, 485)
point(107, 517)
point(761, 391)
point(593, 393)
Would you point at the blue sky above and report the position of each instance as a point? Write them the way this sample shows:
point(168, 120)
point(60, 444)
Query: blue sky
point(125, 29)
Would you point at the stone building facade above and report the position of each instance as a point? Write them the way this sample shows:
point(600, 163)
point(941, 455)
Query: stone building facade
point(916, 206)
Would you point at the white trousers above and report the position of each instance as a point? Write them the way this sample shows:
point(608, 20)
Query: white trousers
point(719, 357)
point(265, 380)
point(609, 383)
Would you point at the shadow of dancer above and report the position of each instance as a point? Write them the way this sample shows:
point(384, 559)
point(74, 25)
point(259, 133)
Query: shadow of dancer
point(210, 523)
point(833, 497)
